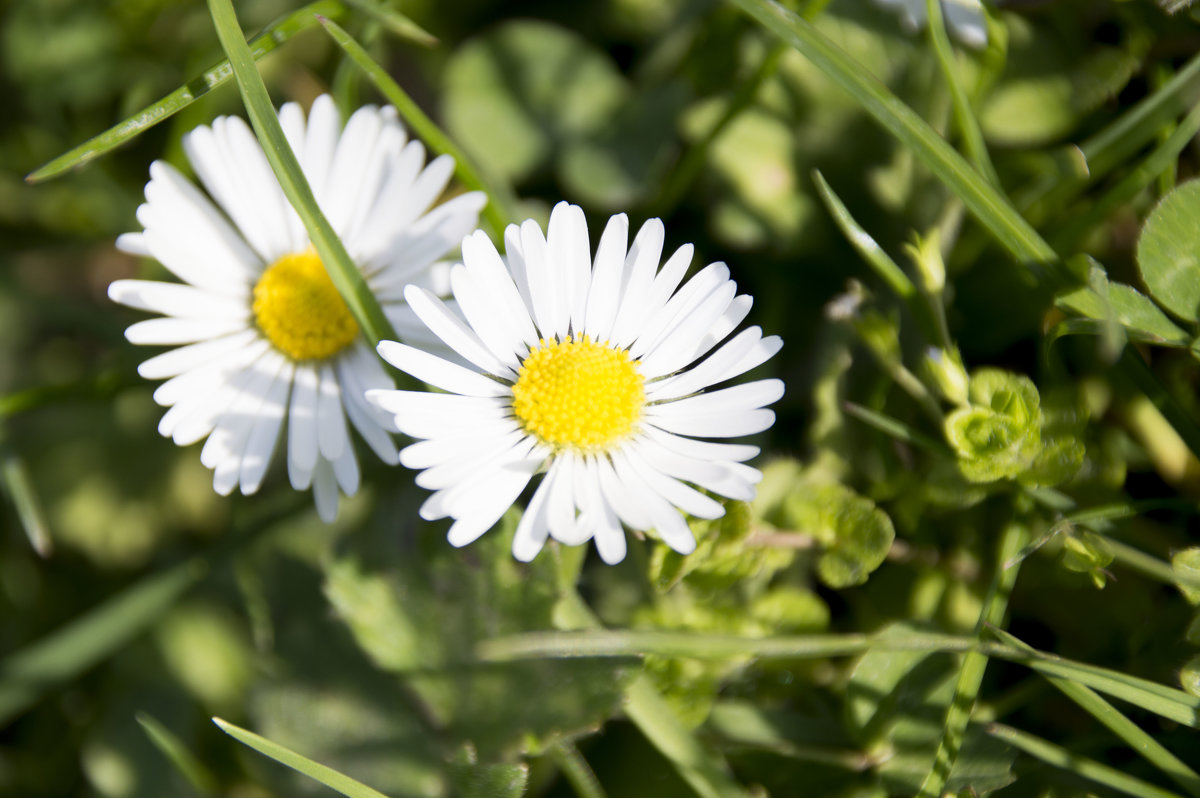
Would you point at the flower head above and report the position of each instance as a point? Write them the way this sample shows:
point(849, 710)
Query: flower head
point(593, 371)
point(261, 335)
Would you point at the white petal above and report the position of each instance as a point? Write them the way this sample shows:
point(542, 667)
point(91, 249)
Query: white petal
point(257, 205)
point(431, 183)
point(533, 528)
point(185, 358)
point(173, 299)
point(727, 400)
point(495, 330)
point(444, 449)
point(429, 415)
point(302, 426)
point(325, 491)
point(680, 495)
point(745, 351)
point(488, 271)
point(664, 518)
point(345, 468)
point(549, 315)
point(457, 335)
point(676, 345)
point(604, 295)
point(490, 501)
point(708, 281)
point(609, 536)
point(349, 171)
point(703, 450)
point(261, 443)
point(560, 510)
point(435, 371)
point(623, 503)
point(718, 425)
point(324, 125)
point(569, 253)
point(170, 330)
point(452, 472)
point(458, 500)
point(640, 266)
point(332, 436)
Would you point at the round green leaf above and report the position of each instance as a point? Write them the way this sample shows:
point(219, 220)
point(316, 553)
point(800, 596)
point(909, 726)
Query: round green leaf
point(514, 96)
point(1168, 253)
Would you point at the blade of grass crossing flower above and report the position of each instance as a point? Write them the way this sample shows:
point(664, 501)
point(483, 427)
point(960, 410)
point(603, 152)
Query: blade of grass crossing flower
point(301, 764)
point(501, 208)
point(1133, 735)
point(974, 663)
point(988, 206)
point(346, 277)
point(968, 126)
point(394, 22)
point(1081, 766)
point(192, 769)
point(92, 637)
point(17, 484)
point(272, 36)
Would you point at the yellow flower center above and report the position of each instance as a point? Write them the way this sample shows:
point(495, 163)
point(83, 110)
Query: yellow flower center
point(578, 394)
point(299, 310)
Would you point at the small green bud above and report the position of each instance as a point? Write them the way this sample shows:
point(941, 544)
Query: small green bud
point(945, 370)
point(926, 254)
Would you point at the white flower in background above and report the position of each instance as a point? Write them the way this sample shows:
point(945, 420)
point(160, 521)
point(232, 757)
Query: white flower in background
point(261, 334)
point(965, 18)
point(590, 371)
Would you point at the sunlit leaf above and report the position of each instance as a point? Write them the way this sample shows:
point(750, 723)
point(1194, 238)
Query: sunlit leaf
point(1168, 252)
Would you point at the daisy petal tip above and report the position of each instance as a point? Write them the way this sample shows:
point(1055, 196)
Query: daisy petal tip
point(684, 547)
point(524, 550)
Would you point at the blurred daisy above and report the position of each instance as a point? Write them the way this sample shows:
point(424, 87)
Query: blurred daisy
point(260, 333)
point(587, 370)
point(964, 18)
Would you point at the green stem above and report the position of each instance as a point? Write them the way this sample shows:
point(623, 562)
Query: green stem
point(345, 275)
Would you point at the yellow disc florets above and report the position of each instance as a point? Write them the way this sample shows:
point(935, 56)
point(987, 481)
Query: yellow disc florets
point(578, 394)
point(299, 310)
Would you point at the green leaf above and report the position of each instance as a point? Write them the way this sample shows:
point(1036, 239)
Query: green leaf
point(855, 534)
point(473, 780)
point(1086, 552)
point(1168, 252)
point(314, 770)
point(519, 92)
point(1185, 565)
point(272, 36)
point(401, 616)
point(1189, 676)
point(1049, 84)
point(1122, 303)
point(346, 276)
point(721, 559)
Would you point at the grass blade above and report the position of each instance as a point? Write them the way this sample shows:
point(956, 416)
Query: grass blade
point(173, 749)
point(1133, 735)
point(270, 39)
point(1081, 766)
point(18, 485)
point(501, 208)
point(974, 663)
point(895, 428)
point(987, 205)
point(968, 126)
point(395, 23)
point(92, 637)
point(301, 764)
point(345, 275)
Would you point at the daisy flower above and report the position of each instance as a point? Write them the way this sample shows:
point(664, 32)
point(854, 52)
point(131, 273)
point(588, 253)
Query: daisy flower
point(964, 18)
point(260, 333)
point(588, 370)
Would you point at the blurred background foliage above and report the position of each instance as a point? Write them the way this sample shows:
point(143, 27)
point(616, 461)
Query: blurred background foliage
point(354, 643)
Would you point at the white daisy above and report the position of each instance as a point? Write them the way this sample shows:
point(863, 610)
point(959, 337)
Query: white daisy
point(964, 18)
point(261, 333)
point(584, 370)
